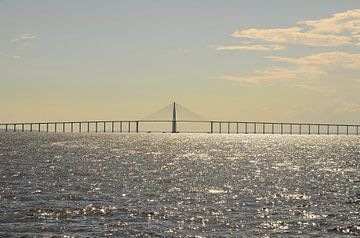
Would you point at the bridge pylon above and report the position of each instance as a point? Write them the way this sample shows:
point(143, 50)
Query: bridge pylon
point(174, 119)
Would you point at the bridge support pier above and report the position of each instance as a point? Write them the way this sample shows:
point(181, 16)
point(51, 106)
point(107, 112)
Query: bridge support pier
point(318, 129)
point(31, 127)
point(211, 127)
point(22, 127)
point(264, 128)
point(112, 127)
point(129, 127)
point(255, 128)
point(104, 126)
point(281, 128)
point(228, 124)
point(55, 127)
point(137, 126)
point(96, 127)
point(246, 129)
point(88, 127)
point(290, 129)
point(120, 126)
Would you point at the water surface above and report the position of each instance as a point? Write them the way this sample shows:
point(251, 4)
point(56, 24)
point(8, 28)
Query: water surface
point(181, 185)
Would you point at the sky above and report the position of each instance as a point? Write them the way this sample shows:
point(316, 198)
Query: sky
point(274, 60)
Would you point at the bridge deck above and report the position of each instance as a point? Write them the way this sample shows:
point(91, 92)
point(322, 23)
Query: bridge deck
point(208, 126)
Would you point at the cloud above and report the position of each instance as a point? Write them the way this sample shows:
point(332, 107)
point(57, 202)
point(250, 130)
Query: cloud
point(338, 23)
point(318, 89)
point(183, 50)
point(9, 55)
point(307, 67)
point(348, 107)
point(28, 36)
point(292, 35)
point(25, 37)
point(251, 47)
point(338, 59)
point(277, 74)
point(340, 29)
point(357, 38)
point(21, 43)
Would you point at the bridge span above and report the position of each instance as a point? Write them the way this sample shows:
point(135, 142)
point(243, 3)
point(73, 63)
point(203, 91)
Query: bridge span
point(229, 127)
point(174, 125)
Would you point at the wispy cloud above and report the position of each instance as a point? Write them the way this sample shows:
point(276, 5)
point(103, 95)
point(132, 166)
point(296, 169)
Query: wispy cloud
point(292, 35)
point(183, 50)
point(25, 37)
point(10, 55)
point(308, 67)
point(319, 89)
point(348, 21)
point(20, 43)
point(348, 107)
point(339, 29)
point(277, 74)
point(337, 59)
point(252, 47)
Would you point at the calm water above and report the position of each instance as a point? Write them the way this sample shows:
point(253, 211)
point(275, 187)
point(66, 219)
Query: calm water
point(182, 185)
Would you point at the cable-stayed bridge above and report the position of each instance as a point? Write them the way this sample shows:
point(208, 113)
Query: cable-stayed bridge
point(175, 118)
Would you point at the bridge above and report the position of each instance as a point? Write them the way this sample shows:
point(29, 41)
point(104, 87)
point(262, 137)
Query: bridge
point(188, 122)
